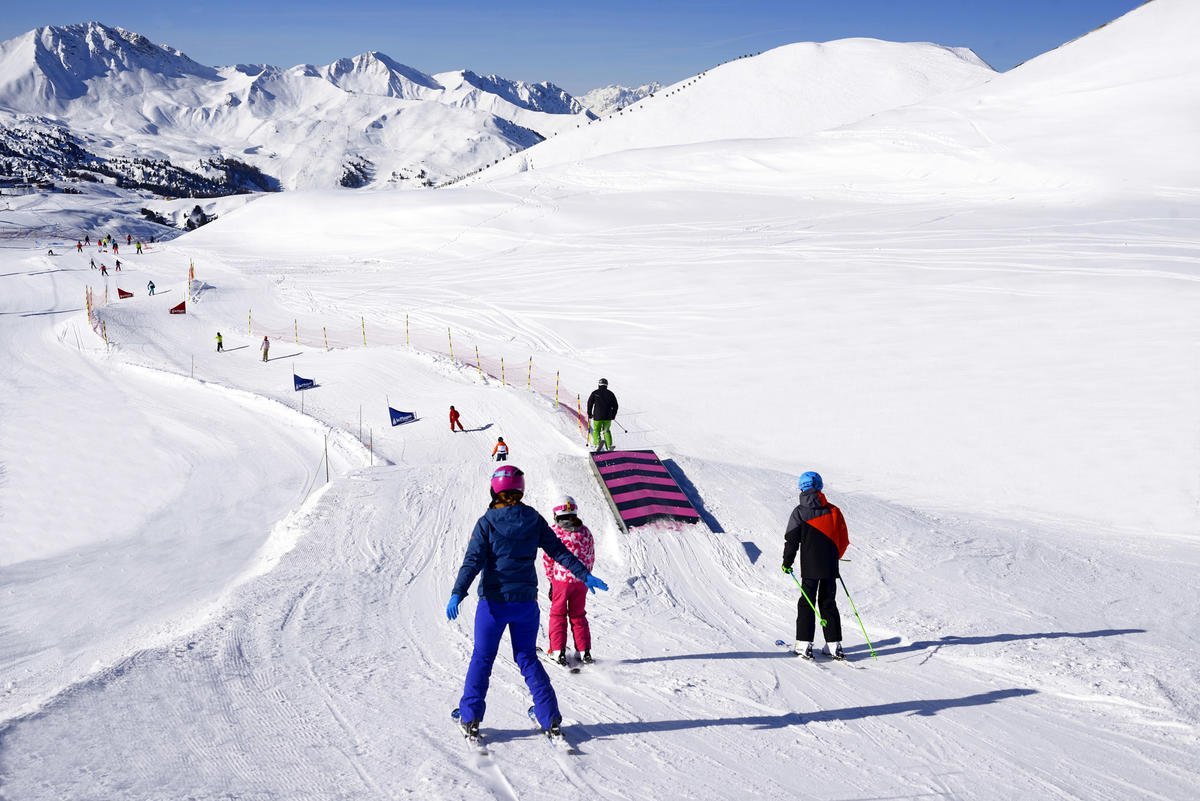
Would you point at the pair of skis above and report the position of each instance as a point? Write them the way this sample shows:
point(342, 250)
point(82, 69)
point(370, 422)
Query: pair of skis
point(475, 742)
point(548, 658)
point(813, 658)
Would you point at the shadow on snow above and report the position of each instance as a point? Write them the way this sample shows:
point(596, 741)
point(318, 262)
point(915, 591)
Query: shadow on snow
point(578, 733)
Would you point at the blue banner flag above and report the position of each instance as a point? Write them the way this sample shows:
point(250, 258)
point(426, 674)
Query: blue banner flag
point(303, 383)
point(399, 417)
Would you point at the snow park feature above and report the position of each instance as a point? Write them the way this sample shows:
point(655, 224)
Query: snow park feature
point(640, 490)
point(973, 314)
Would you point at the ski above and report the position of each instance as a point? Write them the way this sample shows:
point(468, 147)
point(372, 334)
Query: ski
point(801, 657)
point(545, 657)
point(824, 656)
point(474, 739)
point(554, 735)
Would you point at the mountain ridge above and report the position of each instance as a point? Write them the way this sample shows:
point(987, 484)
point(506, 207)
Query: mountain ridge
point(364, 120)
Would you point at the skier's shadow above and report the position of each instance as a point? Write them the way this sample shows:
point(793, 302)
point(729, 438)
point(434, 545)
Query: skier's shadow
point(231, 350)
point(776, 654)
point(950, 639)
point(581, 733)
point(483, 427)
point(287, 356)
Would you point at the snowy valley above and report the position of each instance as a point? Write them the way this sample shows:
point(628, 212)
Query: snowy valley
point(967, 298)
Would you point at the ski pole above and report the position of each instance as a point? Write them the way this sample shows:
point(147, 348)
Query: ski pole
point(810, 603)
point(623, 428)
point(860, 623)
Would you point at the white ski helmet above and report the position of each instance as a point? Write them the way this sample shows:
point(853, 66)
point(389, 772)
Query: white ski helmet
point(565, 507)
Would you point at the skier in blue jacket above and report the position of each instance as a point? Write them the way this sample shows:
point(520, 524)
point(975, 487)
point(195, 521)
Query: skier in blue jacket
point(504, 548)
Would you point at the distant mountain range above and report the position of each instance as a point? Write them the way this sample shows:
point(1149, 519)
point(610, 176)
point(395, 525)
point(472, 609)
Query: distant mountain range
point(97, 103)
point(607, 99)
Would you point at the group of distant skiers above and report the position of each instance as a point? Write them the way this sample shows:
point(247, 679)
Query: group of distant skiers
point(503, 548)
point(103, 244)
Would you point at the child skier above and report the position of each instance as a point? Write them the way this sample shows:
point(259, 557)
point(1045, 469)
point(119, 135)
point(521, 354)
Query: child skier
point(454, 421)
point(818, 531)
point(220, 343)
point(138, 246)
point(150, 286)
point(504, 547)
point(265, 347)
point(500, 452)
point(568, 597)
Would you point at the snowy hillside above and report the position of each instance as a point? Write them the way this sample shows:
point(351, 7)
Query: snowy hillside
point(784, 92)
point(607, 99)
point(975, 315)
point(367, 120)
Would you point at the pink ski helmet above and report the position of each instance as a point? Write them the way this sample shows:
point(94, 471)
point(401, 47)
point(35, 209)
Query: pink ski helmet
point(508, 477)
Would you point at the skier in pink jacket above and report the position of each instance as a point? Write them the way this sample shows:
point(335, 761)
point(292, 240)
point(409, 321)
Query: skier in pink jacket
point(568, 595)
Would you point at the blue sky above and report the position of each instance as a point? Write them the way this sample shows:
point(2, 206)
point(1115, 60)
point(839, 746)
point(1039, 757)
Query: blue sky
point(574, 44)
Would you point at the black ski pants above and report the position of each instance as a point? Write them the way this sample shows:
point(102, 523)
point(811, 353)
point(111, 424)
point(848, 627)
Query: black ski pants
point(822, 592)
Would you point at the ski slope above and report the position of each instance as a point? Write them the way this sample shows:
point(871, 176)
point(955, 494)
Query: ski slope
point(323, 667)
point(997, 379)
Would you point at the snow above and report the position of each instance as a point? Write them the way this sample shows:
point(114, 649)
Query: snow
point(126, 96)
point(784, 92)
point(607, 99)
point(986, 346)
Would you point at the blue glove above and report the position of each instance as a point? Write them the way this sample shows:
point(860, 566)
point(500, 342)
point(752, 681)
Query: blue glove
point(594, 583)
point(787, 570)
point(452, 607)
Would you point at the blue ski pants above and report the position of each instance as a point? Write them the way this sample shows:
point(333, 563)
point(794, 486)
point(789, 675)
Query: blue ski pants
point(521, 619)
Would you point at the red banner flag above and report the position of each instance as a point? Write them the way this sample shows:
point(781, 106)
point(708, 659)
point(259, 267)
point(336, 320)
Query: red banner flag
point(122, 294)
point(180, 309)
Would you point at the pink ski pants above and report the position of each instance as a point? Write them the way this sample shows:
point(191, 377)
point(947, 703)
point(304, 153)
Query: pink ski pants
point(569, 600)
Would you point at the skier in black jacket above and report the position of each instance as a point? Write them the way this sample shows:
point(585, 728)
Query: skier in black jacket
point(601, 411)
point(817, 531)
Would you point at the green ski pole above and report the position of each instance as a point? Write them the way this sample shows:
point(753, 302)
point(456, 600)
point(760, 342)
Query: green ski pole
point(856, 615)
point(810, 603)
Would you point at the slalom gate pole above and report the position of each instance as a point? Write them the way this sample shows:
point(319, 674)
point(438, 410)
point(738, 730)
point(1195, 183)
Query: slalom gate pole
point(860, 623)
point(810, 603)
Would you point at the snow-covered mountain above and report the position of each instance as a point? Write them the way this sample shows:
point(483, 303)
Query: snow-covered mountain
point(607, 99)
point(785, 92)
point(366, 120)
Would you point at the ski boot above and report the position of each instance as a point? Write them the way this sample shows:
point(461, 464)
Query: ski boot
point(804, 650)
point(586, 658)
point(836, 653)
point(470, 729)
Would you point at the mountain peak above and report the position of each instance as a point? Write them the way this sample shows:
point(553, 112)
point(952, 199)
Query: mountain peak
point(53, 64)
point(377, 73)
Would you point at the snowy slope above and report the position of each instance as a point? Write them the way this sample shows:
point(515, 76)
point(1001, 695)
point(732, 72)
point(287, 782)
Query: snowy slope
point(998, 382)
point(369, 116)
point(327, 656)
point(1111, 113)
point(787, 91)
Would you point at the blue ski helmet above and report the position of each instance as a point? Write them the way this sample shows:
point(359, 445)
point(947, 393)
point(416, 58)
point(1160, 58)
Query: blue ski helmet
point(810, 481)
